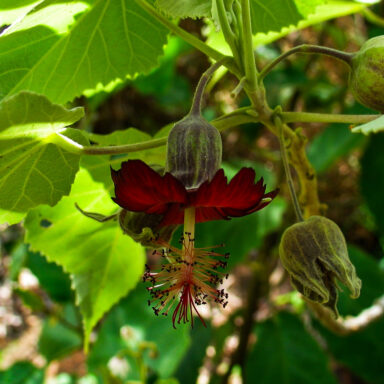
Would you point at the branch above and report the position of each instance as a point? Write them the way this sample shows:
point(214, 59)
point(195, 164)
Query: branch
point(311, 49)
point(350, 324)
point(307, 117)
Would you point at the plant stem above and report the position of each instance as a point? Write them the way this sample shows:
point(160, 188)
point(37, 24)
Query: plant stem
point(189, 38)
point(307, 117)
point(309, 49)
point(247, 45)
point(295, 201)
point(198, 96)
point(229, 36)
point(372, 17)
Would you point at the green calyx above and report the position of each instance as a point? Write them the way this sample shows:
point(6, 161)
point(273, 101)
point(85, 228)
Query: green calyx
point(366, 80)
point(144, 228)
point(194, 147)
point(194, 151)
point(315, 255)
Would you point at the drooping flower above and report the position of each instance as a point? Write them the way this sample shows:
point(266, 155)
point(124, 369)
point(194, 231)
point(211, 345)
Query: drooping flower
point(190, 275)
point(193, 189)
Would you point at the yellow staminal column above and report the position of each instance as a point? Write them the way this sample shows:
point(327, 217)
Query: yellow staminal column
point(189, 234)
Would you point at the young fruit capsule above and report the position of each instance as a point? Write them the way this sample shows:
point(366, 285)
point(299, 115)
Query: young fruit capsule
point(315, 255)
point(366, 80)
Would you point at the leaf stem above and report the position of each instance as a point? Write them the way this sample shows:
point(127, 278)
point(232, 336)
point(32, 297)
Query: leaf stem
point(295, 201)
point(229, 36)
point(308, 117)
point(247, 46)
point(189, 38)
point(309, 49)
point(227, 121)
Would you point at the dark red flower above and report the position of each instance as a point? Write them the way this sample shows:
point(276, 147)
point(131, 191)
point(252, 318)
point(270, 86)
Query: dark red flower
point(139, 188)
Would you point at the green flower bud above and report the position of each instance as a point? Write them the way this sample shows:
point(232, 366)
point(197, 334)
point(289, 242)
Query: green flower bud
point(143, 228)
point(315, 255)
point(194, 151)
point(366, 80)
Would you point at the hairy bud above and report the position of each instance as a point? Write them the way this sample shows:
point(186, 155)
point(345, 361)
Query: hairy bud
point(315, 255)
point(366, 80)
point(194, 151)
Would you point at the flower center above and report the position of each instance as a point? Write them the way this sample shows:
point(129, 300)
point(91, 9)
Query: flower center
point(189, 277)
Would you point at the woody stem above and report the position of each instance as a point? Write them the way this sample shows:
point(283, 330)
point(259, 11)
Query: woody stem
point(189, 232)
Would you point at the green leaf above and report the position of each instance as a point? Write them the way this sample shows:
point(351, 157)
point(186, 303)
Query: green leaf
point(51, 277)
point(367, 342)
point(285, 353)
point(373, 126)
point(188, 370)
point(34, 170)
point(105, 264)
point(57, 340)
point(185, 8)
point(113, 40)
point(372, 277)
point(141, 325)
point(22, 372)
point(338, 141)
point(362, 352)
point(372, 178)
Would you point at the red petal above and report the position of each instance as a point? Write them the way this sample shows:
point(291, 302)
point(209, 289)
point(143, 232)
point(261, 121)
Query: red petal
point(219, 200)
point(139, 188)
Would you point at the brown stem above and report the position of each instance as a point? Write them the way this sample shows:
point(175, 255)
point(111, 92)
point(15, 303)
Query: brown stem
point(351, 324)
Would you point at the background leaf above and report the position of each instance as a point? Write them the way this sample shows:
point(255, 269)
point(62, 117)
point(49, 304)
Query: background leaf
point(105, 264)
point(372, 178)
point(33, 170)
point(22, 373)
point(185, 8)
point(286, 353)
point(141, 325)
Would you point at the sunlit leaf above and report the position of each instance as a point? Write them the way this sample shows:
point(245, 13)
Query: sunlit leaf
point(33, 169)
point(112, 40)
point(105, 264)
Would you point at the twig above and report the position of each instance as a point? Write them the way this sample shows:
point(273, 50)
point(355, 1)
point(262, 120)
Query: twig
point(351, 324)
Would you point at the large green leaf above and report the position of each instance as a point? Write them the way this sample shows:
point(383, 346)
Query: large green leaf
point(105, 264)
point(285, 353)
point(338, 141)
point(185, 8)
point(112, 40)
point(276, 14)
point(57, 339)
point(33, 169)
point(356, 351)
point(372, 178)
point(326, 11)
point(141, 326)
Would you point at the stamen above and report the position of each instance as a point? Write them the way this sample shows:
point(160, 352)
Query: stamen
point(187, 281)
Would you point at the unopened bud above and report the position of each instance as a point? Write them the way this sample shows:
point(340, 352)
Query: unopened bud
point(315, 255)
